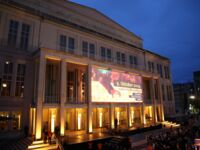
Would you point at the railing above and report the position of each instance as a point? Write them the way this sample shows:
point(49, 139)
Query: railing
point(73, 100)
point(4, 43)
point(52, 99)
point(112, 60)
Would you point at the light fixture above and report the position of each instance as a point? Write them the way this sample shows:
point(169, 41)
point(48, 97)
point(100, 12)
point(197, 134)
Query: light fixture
point(79, 121)
point(100, 119)
point(192, 97)
point(4, 85)
point(7, 62)
point(52, 123)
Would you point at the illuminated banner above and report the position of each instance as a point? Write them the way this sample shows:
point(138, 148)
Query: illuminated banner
point(113, 86)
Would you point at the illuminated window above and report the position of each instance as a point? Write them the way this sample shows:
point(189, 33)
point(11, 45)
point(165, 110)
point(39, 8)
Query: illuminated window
point(16, 120)
point(19, 91)
point(7, 79)
point(4, 121)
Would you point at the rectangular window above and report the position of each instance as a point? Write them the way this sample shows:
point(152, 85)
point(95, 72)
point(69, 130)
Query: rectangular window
point(85, 48)
point(131, 61)
point(149, 66)
point(118, 57)
point(19, 91)
point(92, 50)
point(158, 68)
point(123, 58)
point(161, 72)
point(71, 44)
point(109, 54)
point(4, 121)
point(152, 66)
point(25, 36)
point(135, 61)
point(63, 42)
point(12, 34)
point(7, 79)
point(103, 53)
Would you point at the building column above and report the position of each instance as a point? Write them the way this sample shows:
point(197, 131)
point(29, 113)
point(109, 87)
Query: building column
point(129, 116)
point(40, 95)
point(112, 115)
point(63, 97)
point(89, 109)
point(154, 100)
point(142, 114)
point(161, 100)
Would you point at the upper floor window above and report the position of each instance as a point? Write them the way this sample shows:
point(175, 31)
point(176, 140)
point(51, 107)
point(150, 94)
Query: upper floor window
point(121, 58)
point(19, 91)
point(67, 43)
point(106, 53)
point(71, 43)
point(133, 60)
point(23, 30)
point(118, 57)
point(92, 50)
point(63, 42)
point(13, 32)
point(25, 36)
point(88, 49)
point(166, 69)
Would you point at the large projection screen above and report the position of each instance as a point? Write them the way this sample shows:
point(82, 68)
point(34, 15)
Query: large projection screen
point(114, 86)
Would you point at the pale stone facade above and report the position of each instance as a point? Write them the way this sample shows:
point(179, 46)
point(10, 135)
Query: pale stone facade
point(48, 49)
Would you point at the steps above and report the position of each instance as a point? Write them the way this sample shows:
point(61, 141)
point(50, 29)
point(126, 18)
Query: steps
point(20, 144)
point(40, 145)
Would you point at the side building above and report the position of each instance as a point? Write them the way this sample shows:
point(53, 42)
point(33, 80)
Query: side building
point(68, 65)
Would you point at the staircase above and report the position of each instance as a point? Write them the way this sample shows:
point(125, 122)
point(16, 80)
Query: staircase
point(20, 144)
point(40, 145)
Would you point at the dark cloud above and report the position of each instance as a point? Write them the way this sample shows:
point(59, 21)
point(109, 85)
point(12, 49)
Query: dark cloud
point(168, 27)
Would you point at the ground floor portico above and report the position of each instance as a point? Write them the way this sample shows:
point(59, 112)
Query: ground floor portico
point(102, 117)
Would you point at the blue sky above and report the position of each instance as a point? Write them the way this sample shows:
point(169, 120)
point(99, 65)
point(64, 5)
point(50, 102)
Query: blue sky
point(168, 27)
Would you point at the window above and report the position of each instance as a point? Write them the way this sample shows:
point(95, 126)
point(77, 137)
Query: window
point(158, 68)
point(19, 91)
point(106, 53)
point(4, 121)
point(152, 67)
point(103, 53)
point(161, 72)
point(131, 61)
point(92, 50)
point(63, 43)
point(12, 34)
point(71, 43)
point(25, 36)
point(7, 79)
point(85, 48)
point(135, 60)
point(163, 92)
point(118, 57)
point(149, 66)
point(123, 58)
point(109, 54)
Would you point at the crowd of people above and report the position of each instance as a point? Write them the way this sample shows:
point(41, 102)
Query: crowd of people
point(181, 138)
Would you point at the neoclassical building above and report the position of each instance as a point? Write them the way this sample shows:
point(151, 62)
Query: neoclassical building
point(67, 65)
